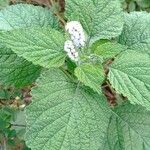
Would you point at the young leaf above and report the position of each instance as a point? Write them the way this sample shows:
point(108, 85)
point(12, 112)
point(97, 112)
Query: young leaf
point(65, 115)
point(25, 15)
point(91, 75)
point(98, 42)
point(42, 46)
point(130, 75)
point(16, 71)
point(102, 19)
point(109, 50)
point(128, 129)
point(136, 32)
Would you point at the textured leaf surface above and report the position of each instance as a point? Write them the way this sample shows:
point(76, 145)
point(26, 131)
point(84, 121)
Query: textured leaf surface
point(65, 115)
point(136, 32)
point(42, 46)
point(143, 3)
point(91, 75)
point(130, 75)
point(128, 129)
point(16, 71)
point(25, 15)
point(4, 3)
point(109, 50)
point(102, 19)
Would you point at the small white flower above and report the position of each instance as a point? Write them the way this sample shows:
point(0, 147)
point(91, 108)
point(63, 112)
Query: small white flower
point(73, 56)
point(74, 28)
point(78, 42)
point(71, 51)
point(76, 55)
point(68, 46)
point(70, 56)
point(73, 25)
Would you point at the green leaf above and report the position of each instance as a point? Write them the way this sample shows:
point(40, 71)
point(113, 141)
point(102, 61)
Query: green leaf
point(128, 129)
point(136, 32)
point(5, 118)
point(132, 6)
point(130, 75)
point(25, 15)
point(109, 50)
point(42, 46)
point(19, 124)
point(98, 42)
point(102, 20)
point(16, 71)
point(70, 65)
point(143, 3)
point(91, 75)
point(65, 115)
point(4, 3)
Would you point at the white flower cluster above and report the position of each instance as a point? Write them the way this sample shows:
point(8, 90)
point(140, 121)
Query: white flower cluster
point(75, 30)
point(71, 51)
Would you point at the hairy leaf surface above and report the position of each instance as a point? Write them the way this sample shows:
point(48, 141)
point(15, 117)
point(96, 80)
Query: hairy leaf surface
point(25, 15)
point(128, 129)
point(101, 19)
point(42, 46)
point(109, 50)
point(16, 71)
point(65, 115)
point(136, 32)
point(4, 3)
point(130, 75)
point(91, 75)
